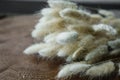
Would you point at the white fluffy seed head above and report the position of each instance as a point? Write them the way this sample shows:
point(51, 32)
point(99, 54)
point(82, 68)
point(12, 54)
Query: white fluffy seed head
point(61, 4)
point(67, 49)
point(69, 13)
point(71, 21)
point(67, 37)
point(84, 12)
point(79, 53)
point(39, 34)
point(95, 18)
point(119, 69)
point(34, 48)
point(81, 28)
point(106, 13)
point(115, 52)
point(47, 52)
point(97, 53)
point(46, 19)
point(55, 22)
point(69, 59)
point(50, 38)
point(43, 29)
point(86, 41)
point(101, 70)
point(114, 44)
point(62, 53)
point(50, 51)
point(40, 25)
point(72, 69)
point(105, 27)
point(73, 13)
point(50, 12)
point(101, 41)
point(86, 44)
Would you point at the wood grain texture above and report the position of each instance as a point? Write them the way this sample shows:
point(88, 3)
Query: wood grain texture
point(14, 65)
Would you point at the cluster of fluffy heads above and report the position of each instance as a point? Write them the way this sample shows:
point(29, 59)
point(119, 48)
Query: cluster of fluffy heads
point(77, 35)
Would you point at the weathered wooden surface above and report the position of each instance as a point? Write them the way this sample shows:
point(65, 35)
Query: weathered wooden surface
point(14, 65)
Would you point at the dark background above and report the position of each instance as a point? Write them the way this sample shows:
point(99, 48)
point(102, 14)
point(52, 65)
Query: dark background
point(31, 6)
